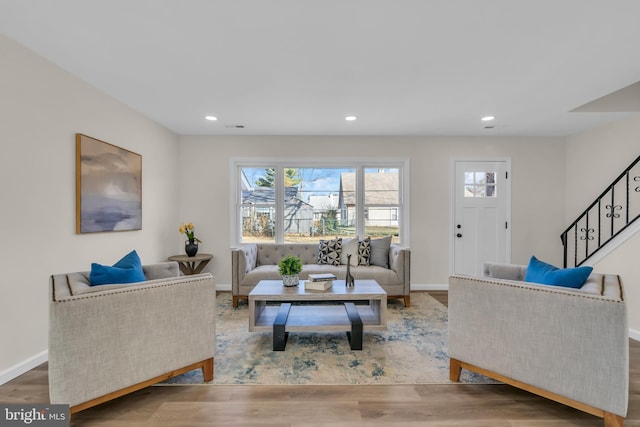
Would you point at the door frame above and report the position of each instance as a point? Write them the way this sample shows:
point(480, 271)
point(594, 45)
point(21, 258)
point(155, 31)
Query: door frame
point(452, 204)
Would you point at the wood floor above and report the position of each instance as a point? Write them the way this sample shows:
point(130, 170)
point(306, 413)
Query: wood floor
point(378, 405)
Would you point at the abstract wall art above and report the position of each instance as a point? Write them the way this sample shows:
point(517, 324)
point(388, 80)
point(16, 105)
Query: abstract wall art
point(108, 187)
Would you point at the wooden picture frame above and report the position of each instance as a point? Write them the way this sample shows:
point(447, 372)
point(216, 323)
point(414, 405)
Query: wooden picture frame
point(108, 187)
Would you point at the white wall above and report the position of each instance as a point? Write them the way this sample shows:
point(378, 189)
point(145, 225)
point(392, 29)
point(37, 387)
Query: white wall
point(537, 189)
point(593, 160)
point(41, 109)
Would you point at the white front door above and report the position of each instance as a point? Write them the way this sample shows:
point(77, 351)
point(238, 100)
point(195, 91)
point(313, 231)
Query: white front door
point(481, 215)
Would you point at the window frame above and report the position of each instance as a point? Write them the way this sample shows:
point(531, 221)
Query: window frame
point(359, 164)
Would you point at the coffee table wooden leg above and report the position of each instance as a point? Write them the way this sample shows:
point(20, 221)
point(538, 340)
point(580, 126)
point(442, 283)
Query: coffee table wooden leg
point(279, 334)
point(355, 336)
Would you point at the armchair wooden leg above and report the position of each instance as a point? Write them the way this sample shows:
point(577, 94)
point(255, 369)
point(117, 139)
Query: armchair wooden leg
point(236, 298)
point(613, 420)
point(407, 301)
point(455, 368)
point(207, 370)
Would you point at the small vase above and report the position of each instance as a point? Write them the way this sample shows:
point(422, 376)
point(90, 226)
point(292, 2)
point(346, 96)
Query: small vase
point(290, 281)
point(191, 247)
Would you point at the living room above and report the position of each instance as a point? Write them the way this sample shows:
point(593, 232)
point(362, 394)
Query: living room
point(187, 177)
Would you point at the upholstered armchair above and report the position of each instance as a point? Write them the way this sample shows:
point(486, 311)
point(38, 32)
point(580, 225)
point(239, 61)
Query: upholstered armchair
point(568, 345)
point(109, 340)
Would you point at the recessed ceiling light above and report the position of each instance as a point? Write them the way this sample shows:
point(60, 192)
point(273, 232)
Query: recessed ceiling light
point(487, 118)
point(350, 118)
point(211, 118)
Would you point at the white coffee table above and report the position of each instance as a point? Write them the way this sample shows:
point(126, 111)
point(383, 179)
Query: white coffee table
point(275, 307)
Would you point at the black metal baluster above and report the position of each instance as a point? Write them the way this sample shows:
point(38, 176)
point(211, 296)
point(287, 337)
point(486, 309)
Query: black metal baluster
point(599, 222)
point(563, 237)
point(612, 208)
point(626, 221)
point(586, 240)
point(575, 246)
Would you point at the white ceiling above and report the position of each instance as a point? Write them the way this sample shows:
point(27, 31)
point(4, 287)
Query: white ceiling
point(298, 67)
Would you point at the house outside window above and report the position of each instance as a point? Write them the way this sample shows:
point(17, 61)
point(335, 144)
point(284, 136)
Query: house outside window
point(298, 201)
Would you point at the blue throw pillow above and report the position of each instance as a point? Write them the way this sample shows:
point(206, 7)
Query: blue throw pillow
point(129, 260)
point(126, 270)
point(547, 274)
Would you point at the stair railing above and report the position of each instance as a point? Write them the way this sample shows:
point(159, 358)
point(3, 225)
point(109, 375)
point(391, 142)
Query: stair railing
point(612, 212)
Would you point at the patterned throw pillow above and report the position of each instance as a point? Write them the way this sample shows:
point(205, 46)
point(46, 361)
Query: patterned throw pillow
point(329, 251)
point(364, 251)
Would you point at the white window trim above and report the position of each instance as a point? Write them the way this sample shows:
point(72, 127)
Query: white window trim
point(360, 163)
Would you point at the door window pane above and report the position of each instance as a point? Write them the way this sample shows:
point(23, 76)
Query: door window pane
point(480, 184)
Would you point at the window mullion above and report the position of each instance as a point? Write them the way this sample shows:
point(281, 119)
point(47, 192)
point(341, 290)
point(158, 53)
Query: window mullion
point(279, 203)
point(360, 201)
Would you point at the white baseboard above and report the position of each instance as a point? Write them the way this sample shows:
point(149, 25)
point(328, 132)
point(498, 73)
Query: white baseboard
point(634, 335)
point(223, 287)
point(432, 287)
point(24, 366)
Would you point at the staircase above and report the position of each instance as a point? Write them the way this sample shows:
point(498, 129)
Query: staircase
point(609, 218)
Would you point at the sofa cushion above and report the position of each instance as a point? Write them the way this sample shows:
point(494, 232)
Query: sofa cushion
point(329, 251)
point(547, 274)
point(127, 270)
point(380, 251)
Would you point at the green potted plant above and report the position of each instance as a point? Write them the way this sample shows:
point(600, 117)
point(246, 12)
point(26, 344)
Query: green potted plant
point(289, 268)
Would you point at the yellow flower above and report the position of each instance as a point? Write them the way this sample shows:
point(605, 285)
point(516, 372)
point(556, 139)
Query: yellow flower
point(188, 230)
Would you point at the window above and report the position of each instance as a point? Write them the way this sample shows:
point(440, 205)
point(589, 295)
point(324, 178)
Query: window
point(479, 184)
point(381, 201)
point(297, 201)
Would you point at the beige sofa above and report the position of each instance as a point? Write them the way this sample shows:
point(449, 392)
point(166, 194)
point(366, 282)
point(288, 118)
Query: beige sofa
point(569, 345)
point(253, 262)
point(109, 340)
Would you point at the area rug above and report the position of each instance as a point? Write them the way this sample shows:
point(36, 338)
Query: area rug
point(413, 350)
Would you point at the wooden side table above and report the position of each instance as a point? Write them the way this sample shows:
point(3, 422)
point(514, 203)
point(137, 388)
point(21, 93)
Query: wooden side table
point(191, 264)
